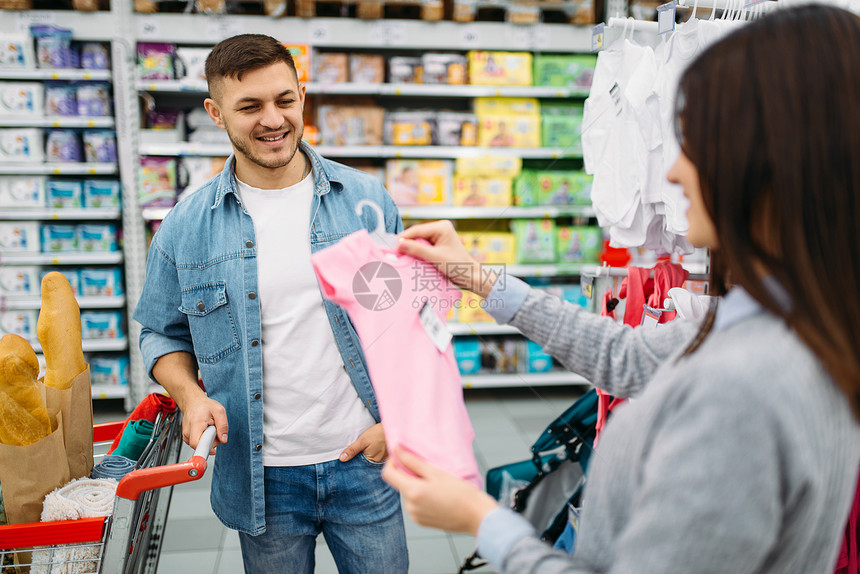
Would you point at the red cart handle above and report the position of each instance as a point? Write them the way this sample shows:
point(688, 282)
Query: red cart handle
point(138, 481)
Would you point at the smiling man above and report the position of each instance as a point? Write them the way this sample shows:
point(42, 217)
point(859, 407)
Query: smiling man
point(230, 295)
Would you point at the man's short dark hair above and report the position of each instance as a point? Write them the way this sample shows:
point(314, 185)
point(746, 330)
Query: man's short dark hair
point(243, 53)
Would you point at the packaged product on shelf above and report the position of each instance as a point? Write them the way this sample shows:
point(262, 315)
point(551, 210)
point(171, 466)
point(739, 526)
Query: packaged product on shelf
point(64, 193)
point(209, 135)
point(535, 240)
point(470, 309)
point(19, 322)
point(564, 70)
point(22, 99)
point(94, 99)
point(368, 167)
point(467, 353)
point(108, 371)
point(508, 122)
point(22, 191)
point(573, 294)
point(163, 127)
point(579, 244)
point(157, 182)
point(564, 188)
point(488, 166)
point(19, 236)
point(563, 130)
point(490, 247)
point(367, 68)
point(482, 191)
point(351, 124)
point(419, 181)
point(63, 145)
point(532, 357)
point(500, 68)
point(95, 56)
point(456, 129)
point(507, 107)
point(99, 282)
point(190, 63)
point(71, 274)
point(54, 47)
point(97, 237)
point(444, 68)
point(59, 238)
point(301, 54)
point(526, 190)
point(101, 193)
point(410, 128)
point(155, 60)
point(405, 70)
point(61, 99)
point(16, 51)
point(499, 355)
point(199, 170)
point(331, 68)
point(99, 146)
point(101, 325)
point(22, 144)
point(20, 281)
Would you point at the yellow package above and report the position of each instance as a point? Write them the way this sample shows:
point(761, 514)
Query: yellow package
point(483, 191)
point(507, 106)
point(301, 54)
point(471, 309)
point(509, 131)
point(500, 68)
point(419, 181)
point(488, 166)
point(491, 248)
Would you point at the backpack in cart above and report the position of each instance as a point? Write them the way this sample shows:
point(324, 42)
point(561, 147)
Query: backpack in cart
point(546, 488)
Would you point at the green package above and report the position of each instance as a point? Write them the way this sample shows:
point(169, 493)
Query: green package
point(535, 240)
point(564, 70)
point(564, 188)
point(579, 244)
point(526, 188)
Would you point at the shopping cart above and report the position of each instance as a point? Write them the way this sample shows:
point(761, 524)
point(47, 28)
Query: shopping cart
point(129, 541)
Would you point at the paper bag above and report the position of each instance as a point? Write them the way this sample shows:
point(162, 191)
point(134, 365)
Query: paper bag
point(29, 473)
point(76, 404)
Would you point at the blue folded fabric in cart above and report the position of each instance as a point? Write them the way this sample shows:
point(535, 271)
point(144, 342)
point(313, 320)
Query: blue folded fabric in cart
point(134, 439)
point(113, 466)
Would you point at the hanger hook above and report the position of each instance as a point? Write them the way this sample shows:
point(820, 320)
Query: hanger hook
point(379, 230)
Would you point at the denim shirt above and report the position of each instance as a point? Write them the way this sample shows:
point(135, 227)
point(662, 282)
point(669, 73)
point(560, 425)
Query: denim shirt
point(200, 297)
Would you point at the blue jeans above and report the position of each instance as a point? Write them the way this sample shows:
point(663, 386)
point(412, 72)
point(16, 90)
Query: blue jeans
point(357, 512)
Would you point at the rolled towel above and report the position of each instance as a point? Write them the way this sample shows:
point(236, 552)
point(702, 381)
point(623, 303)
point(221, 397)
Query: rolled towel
point(147, 409)
point(81, 498)
point(134, 439)
point(113, 466)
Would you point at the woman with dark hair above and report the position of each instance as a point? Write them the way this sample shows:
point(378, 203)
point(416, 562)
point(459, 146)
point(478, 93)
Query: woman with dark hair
point(741, 450)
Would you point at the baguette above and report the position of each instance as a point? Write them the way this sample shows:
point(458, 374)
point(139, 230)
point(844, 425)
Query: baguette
point(23, 416)
point(59, 332)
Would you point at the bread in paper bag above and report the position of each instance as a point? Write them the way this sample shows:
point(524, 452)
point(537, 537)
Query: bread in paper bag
point(23, 416)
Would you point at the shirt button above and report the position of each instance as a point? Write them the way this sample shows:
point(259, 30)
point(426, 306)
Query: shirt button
point(252, 295)
point(258, 448)
point(201, 306)
point(255, 342)
point(257, 396)
point(249, 243)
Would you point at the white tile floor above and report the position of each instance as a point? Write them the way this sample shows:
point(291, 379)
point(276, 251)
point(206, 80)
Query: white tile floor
point(506, 423)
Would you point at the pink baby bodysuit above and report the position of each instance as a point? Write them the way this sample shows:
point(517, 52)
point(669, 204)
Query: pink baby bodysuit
point(417, 386)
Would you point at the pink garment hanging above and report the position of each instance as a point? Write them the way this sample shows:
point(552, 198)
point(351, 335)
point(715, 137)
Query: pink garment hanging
point(848, 561)
point(667, 275)
point(417, 386)
point(603, 398)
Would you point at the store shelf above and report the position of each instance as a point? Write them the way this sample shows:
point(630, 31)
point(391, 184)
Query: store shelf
point(511, 212)
point(83, 302)
point(370, 151)
point(24, 168)
point(109, 391)
point(56, 122)
point(554, 378)
point(110, 257)
point(458, 329)
point(548, 270)
point(100, 25)
point(19, 214)
point(71, 74)
point(410, 90)
point(366, 34)
point(94, 345)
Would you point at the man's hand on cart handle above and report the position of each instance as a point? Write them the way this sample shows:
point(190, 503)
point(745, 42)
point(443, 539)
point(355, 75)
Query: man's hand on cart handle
point(204, 447)
point(199, 414)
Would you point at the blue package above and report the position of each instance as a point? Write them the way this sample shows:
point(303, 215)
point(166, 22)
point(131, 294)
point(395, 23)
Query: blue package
point(59, 238)
point(70, 274)
point(64, 193)
point(108, 371)
point(101, 282)
point(101, 193)
point(467, 352)
point(98, 237)
point(63, 145)
point(101, 325)
point(535, 359)
point(94, 56)
point(60, 99)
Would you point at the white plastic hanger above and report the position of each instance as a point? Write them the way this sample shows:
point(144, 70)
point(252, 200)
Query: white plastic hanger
point(379, 235)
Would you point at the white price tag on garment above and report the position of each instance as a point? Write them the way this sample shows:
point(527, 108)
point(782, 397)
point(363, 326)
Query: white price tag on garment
point(27, 19)
point(650, 316)
point(666, 17)
point(597, 37)
point(434, 327)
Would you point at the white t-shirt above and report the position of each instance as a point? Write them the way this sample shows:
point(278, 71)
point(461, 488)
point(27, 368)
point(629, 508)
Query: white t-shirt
point(311, 411)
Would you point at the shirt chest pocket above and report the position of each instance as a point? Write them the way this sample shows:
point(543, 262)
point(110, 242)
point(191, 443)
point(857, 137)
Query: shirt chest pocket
point(213, 330)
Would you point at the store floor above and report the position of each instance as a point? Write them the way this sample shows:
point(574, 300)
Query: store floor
point(506, 423)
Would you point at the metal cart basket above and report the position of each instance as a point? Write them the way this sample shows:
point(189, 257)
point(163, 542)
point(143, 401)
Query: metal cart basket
point(127, 542)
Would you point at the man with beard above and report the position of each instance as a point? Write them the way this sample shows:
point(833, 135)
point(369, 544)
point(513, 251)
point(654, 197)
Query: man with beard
point(230, 292)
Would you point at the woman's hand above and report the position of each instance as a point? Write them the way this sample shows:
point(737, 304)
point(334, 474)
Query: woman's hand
point(436, 499)
point(447, 253)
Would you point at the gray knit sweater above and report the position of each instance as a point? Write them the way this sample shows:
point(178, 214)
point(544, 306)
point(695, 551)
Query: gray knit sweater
point(739, 458)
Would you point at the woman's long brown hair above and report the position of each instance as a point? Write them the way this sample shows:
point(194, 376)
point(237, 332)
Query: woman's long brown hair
point(770, 117)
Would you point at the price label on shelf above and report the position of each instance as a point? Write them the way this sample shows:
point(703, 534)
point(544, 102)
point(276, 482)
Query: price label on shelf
point(222, 27)
point(597, 37)
point(530, 36)
point(27, 19)
point(320, 33)
point(388, 33)
point(470, 36)
point(147, 27)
